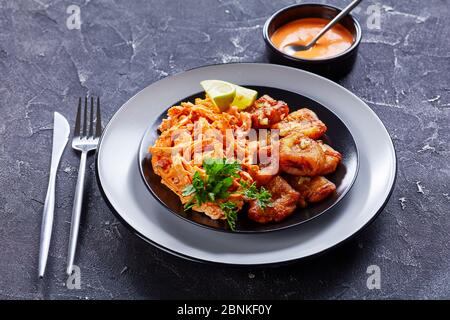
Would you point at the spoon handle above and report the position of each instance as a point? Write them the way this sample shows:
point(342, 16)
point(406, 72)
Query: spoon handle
point(336, 19)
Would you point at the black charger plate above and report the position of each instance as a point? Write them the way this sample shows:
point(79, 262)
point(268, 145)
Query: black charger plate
point(338, 136)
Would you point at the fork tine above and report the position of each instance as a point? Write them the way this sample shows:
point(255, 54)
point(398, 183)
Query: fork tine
point(85, 117)
point(91, 120)
point(98, 125)
point(76, 131)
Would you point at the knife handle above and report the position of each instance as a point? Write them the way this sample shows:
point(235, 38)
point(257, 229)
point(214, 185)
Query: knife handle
point(76, 213)
point(47, 223)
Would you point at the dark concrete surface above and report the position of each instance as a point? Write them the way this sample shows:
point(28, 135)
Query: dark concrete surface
point(402, 73)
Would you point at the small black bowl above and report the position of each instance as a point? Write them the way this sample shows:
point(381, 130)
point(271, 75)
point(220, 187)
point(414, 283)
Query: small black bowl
point(333, 67)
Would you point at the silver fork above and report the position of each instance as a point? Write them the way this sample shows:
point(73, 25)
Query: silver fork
point(84, 140)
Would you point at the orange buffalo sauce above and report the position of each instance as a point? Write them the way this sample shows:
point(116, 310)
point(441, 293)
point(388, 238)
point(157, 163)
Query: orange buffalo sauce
point(302, 31)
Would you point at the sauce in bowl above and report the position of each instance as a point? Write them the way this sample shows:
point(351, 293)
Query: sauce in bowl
point(335, 41)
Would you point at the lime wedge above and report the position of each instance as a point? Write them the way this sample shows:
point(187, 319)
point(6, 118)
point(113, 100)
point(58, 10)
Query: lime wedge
point(221, 92)
point(244, 97)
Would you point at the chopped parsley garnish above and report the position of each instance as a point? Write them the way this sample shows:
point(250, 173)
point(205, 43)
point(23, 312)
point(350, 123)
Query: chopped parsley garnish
point(262, 196)
point(230, 210)
point(219, 177)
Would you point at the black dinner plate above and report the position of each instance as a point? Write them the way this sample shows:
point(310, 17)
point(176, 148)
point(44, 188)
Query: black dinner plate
point(338, 136)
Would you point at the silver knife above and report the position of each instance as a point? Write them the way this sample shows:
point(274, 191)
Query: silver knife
point(61, 132)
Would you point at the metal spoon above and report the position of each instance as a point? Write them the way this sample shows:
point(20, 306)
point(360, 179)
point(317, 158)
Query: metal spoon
point(295, 46)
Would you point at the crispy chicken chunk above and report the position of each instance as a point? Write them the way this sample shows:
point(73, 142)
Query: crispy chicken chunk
point(303, 156)
point(304, 121)
point(332, 158)
point(284, 199)
point(267, 111)
point(259, 175)
point(311, 189)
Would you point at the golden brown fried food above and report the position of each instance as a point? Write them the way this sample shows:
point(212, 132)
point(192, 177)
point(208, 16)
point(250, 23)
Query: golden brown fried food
point(267, 111)
point(303, 156)
point(284, 199)
point(304, 121)
point(311, 189)
point(267, 166)
point(332, 158)
point(260, 175)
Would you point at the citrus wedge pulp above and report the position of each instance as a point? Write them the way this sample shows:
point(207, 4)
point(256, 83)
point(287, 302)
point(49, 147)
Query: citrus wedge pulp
point(244, 97)
point(221, 92)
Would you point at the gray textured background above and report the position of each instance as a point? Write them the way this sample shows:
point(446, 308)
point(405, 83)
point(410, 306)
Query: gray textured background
point(402, 73)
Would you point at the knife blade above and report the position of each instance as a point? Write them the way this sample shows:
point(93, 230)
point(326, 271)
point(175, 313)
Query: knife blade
point(61, 132)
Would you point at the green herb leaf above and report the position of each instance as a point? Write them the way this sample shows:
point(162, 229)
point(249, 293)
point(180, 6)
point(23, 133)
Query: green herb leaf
point(188, 205)
point(197, 181)
point(188, 190)
point(262, 196)
point(219, 178)
point(230, 210)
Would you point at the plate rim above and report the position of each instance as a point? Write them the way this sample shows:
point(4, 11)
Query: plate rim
point(275, 229)
point(392, 178)
point(243, 265)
